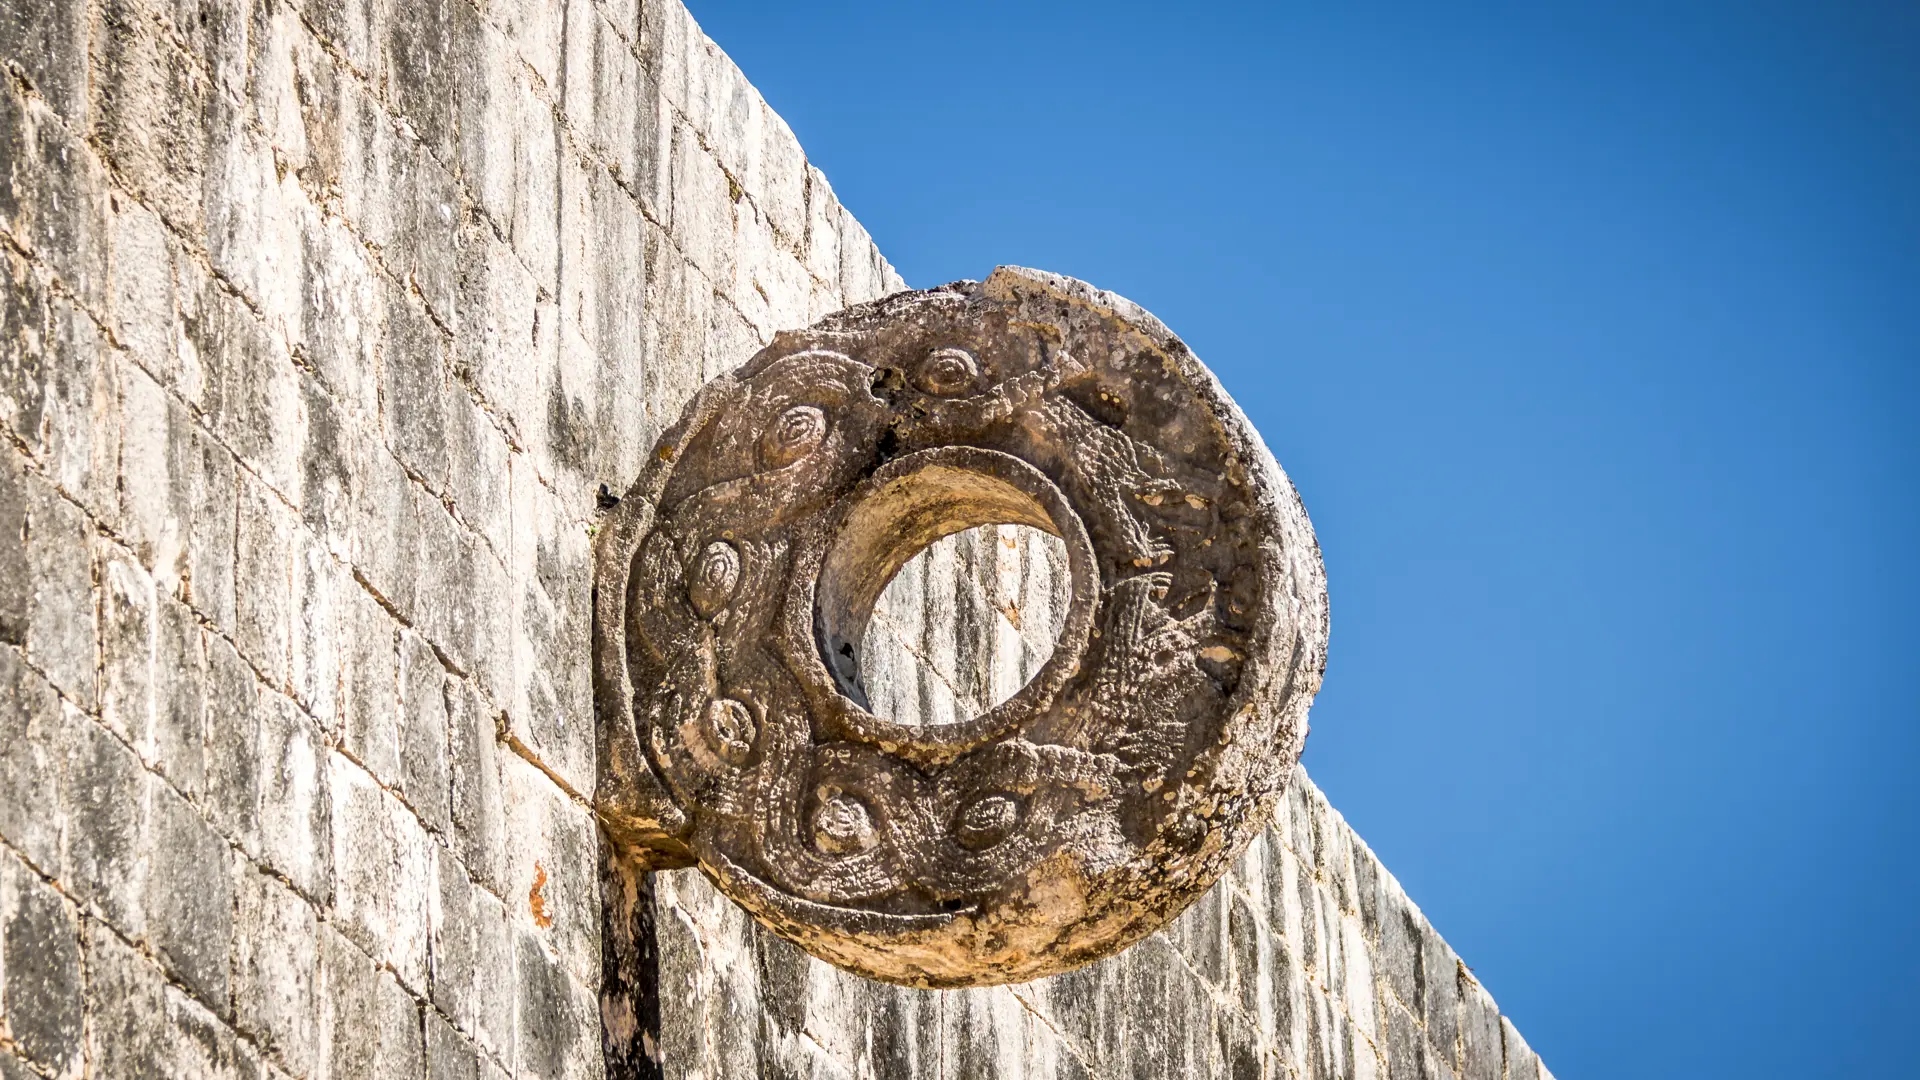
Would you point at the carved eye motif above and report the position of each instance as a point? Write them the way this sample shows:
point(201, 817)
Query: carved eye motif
point(794, 434)
point(714, 578)
point(731, 726)
point(947, 371)
point(842, 825)
point(987, 822)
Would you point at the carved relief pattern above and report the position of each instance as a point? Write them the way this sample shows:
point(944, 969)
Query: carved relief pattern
point(1057, 827)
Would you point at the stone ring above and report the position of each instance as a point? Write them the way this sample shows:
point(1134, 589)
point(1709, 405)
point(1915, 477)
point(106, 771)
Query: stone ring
point(735, 582)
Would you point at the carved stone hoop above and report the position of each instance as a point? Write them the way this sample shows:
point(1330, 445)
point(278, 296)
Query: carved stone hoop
point(735, 581)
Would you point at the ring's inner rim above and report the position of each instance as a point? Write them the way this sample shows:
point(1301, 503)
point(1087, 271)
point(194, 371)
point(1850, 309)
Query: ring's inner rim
point(883, 532)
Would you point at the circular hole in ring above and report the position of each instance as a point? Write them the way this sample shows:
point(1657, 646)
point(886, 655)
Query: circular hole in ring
point(943, 595)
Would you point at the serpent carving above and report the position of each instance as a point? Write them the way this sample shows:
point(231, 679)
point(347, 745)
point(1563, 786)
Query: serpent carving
point(736, 579)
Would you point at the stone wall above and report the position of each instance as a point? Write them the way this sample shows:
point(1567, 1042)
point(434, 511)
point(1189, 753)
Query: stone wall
point(323, 325)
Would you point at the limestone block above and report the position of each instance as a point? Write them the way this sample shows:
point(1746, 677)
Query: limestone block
point(555, 1017)
point(603, 88)
point(652, 155)
point(1440, 972)
point(778, 180)
point(553, 888)
point(448, 565)
point(211, 500)
point(862, 272)
point(370, 721)
point(1359, 990)
point(1400, 944)
point(1481, 1054)
point(550, 711)
point(127, 647)
point(251, 395)
point(342, 313)
point(450, 1055)
point(189, 896)
point(507, 143)
point(41, 983)
point(154, 470)
point(23, 346)
point(178, 688)
point(266, 537)
point(33, 745)
point(148, 110)
point(80, 422)
point(702, 207)
point(140, 1025)
point(105, 797)
point(679, 304)
point(276, 971)
point(216, 33)
point(384, 868)
point(423, 732)
point(386, 529)
point(232, 724)
point(54, 200)
point(668, 37)
point(327, 486)
point(61, 396)
point(295, 811)
point(999, 1033)
point(729, 335)
point(495, 1005)
point(142, 285)
point(369, 1024)
point(353, 27)
point(414, 392)
point(721, 105)
point(823, 230)
point(322, 590)
point(602, 300)
point(506, 339)
point(452, 946)
point(420, 41)
point(401, 199)
point(254, 213)
point(46, 40)
point(478, 810)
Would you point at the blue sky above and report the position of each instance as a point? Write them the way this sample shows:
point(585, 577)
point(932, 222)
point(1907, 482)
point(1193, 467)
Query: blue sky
point(1591, 336)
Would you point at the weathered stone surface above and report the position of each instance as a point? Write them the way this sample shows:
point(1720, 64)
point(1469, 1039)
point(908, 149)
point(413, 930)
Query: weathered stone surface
point(276, 985)
point(321, 326)
point(739, 576)
point(41, 1007)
